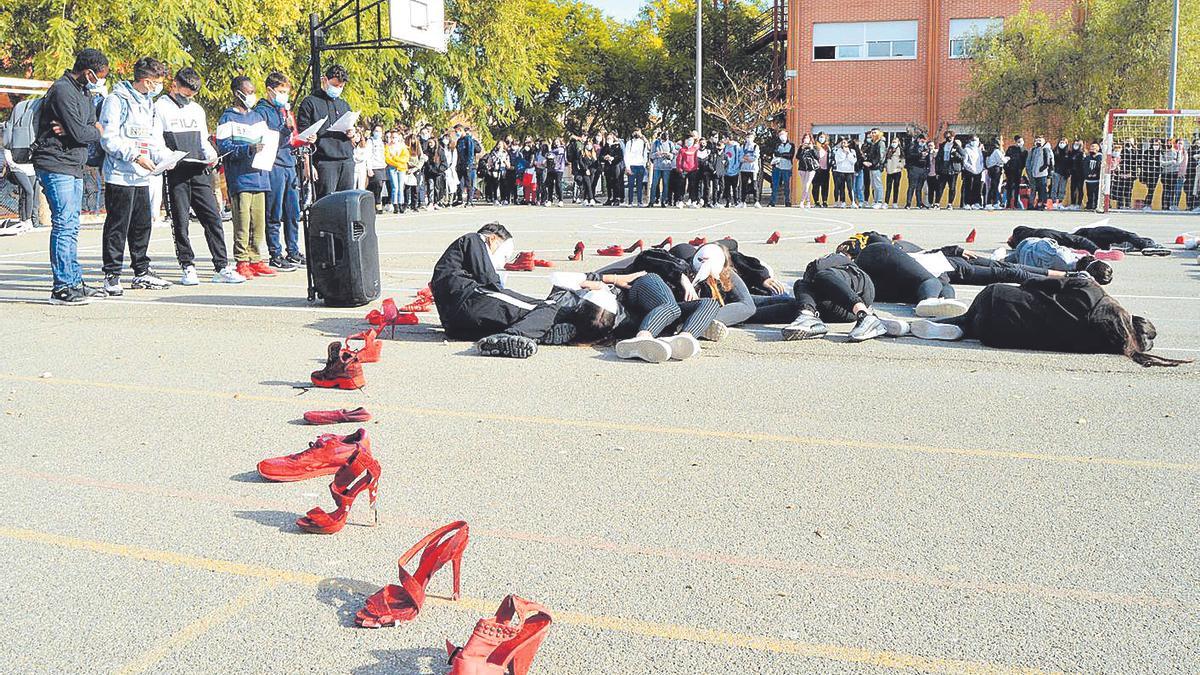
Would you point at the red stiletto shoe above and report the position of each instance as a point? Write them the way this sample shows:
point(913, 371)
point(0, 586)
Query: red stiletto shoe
point(342, 370)
point(578, 255)
point(324, 456)
point(523, 263)
point(636, 246)
point(497, 646)
point(394, 604)
point(390, 316)
point(821, 239)
point(971, 236)
point(360, 473)
point(774, 238)
point(337, 416)
point(896, 237)
point(612, 251)
point(666, 243)
point(699, 241)
point(369, 352)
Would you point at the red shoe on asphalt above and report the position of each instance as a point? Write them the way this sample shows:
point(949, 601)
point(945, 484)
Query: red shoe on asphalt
point(774, 238)
point(324, 456)
point(666, 243)
point(359, 474)
point(523, 263)
point(245, 269)
point(538, 262)
point(418, 305)
point(613, 251)
point(394, 604)
point(337, 416)
point(971, 236)
point(896, 237)
point(636, 246)
point(342, 370)
point(390, 317)
point(369, 352)
point(578, 255)
point(262, 269)
point(425, 293)
point(699, 241)
point(1110, 255)
point(497, 646)
point(821, 239)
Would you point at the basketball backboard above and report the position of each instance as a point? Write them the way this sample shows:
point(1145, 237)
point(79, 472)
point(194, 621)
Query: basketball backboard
point(420, 23)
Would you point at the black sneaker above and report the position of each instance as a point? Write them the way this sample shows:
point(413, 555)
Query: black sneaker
point(297, 259)
point(281, 264)
point(559, 334)
point(112, 285)
point(92, 291)
point(69, 295)
point(503, 344)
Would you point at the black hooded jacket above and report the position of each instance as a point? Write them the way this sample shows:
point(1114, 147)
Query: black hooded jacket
point(1047, 314)
point(464, 269)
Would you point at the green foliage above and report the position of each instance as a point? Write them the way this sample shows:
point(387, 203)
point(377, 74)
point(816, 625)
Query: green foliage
point(1045, 73)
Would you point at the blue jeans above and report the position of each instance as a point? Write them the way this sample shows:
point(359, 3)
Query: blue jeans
point(781, 178)
point(64, 193)
point(660, 194)
point(877, 185)
point(633, 184)
point(468, 186)
point(858, 187)
point(395, 186)
point(283, 209)
point(1044, 253)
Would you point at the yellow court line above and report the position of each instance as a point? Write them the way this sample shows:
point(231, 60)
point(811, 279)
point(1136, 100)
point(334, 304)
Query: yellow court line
point(604, 425)
point(193, 631)
point(477, 606)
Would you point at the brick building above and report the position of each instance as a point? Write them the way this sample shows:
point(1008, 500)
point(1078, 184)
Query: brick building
point(857, 64)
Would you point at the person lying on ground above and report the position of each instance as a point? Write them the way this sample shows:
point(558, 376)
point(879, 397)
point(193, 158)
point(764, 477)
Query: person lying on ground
point(1091, 239)
point(1049, 254)
point(835, 289)
point(900, 278)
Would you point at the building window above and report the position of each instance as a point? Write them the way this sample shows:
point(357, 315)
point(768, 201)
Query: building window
point(962, 31)
point(869, 40)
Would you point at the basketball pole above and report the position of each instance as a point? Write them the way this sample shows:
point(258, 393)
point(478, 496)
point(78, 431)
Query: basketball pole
point(700, 70)
point(1174, 70)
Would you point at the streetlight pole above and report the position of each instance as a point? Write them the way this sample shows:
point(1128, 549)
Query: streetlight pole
point(700, 71)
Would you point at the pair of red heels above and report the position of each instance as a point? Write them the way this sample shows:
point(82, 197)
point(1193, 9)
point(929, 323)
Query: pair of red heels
point(497, 646)
point(390, 316)
point(525, 262)
point(355, 471)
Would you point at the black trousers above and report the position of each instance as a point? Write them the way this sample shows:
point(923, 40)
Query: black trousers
point(843, 187)
point(984, 271)
point(900, 278)
point(1077, 190)
point(729, 191)
point(375, 181)
point(971, 184)
point(1093, 194)
point(1151, 185)
point(916, 186)
point(334, 175)
point(489, 312)
point(821, 187)
point(832, 293)
point(552, 186)
point(693, 185)
point(191, 189)
point(128, 220)
point(750, 186)
point(993, 191)
point(891, 188)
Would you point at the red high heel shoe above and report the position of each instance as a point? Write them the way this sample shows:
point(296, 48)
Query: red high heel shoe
point(578, 255)
point(369, 353)
point(699, 241)
point(359, 473)
point(497, 646)
point(612, 251)
point(774, 238)
point(666, 243)
point(324, 456)
point(971, 236)
point(390, 316)
point(359, 414)
point(394, 604)
point(636, 246)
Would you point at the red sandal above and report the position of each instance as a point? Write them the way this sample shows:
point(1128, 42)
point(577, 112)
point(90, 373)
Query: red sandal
point(337, 416)
point(418, 305)
point(499, 647)
point(369, 353)
point(359, 473)
point(394, 604)
point(324, 456)
point(390, 316)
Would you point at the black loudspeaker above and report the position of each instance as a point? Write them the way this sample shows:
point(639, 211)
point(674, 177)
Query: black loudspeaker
point(343, 251)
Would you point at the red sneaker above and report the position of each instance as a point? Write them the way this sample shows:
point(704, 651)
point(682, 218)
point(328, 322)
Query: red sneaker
point(523, 263)
point(342, 370)
point(774, 238)
point(418, 305)
point(246, 269)
point(262, 269)
point(613, 251)
point(971, 236)
point(699, 241)
point(324, 456)
point(821, 239)
point(1179, 240)
point(636, 246)
point(538, 262)
point(318, 417)
point(578, 255)
point(666, 243)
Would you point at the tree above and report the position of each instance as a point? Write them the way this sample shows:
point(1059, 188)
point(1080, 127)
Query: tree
point(745, 107)
point(1049, 74)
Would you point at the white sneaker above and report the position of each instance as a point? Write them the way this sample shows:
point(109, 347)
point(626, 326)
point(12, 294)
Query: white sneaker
point(932, 330)
point(990, 207)
point(651, 350)
point(8, 228)
point(854, 205)
point(149, 282)
point(112, 285)
point(716, 332)
point(757, 205)
point(938, 308)
point(895, 327)
point(877, 206)
point(23, 226)
point(683, 346)
point(189, 278)
point(228, 275)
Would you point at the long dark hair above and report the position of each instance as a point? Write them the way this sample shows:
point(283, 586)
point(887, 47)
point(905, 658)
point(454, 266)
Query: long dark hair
point(1132, 336)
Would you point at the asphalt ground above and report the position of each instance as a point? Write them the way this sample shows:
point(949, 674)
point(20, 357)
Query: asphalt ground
point(770, 507)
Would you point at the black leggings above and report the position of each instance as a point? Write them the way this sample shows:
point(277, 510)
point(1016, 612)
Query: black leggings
point(650, 297)
point(821, 187)
point(843, 185)
point(1105, 236)
point(892, 188)
point(729, 193)
point(1077, 190)
point(983, 271)
point(775, 309)
point(552, 188)
point(832, 293)
point(900, 278)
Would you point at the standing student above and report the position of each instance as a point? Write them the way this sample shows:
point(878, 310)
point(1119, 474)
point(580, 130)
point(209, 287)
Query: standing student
point(1014, 166)
point(662, 158)
point(933, 181)
point(821, 179)
point(949, 167)
point(612, 161)
point(395, 153)
point(994, 163)
point(689, 169)
point(858, 182)
point(1150, 157)
point(893, 166)
point(248, 187)
point(972, 174)
point(1062, 171)
point(414, 176)
point(873, 161)
point(1038, 165)
point(185, 129)
point(731, 153)
point(283, 201)
point(1092, 179)
point(844, 159)
point(706, 162)
point(468, 153)
point(376, 167)
point(333, 157)
point(556, 168)
point(22, 177)
point(1173, 167)
point(133, 144)
point(750, 171)
point(637, 154)
point(1076, 168)
point(782, 159)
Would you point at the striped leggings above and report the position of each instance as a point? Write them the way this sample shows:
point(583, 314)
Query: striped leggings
point(650, 297)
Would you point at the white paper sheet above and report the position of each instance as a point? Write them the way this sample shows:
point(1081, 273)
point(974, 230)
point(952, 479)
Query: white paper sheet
point(265, 159)
point(345, 122)
point(168, 162)
point(310, 134)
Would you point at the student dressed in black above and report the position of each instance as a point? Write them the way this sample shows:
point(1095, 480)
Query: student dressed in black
point(896, 275)
point(333, 154)
point(1091, 239)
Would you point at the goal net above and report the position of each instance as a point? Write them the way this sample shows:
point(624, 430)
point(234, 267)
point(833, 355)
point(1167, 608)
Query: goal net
point(1151, 161)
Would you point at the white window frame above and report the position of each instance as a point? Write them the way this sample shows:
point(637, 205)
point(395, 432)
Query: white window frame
point(961, 37)
point(886, 32)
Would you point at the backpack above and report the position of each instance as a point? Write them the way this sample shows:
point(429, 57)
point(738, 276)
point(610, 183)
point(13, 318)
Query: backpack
point(21, 134)
point(95, 158)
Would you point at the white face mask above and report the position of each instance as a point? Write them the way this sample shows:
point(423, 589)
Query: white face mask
point(280, 98)
point(502, 254)
point(248, 100)
point(155, 90)
point(97, 87)
point(333, 91)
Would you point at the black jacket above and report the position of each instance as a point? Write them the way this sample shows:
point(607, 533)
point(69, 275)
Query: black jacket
point(917, 156)
point(1076, 166)
point(807, 159)
point(68, 103)
point(1062, 160)
point(955, 163)
point(616, 154)
point(1049, 314)
point(873, 152)
point(331, 145)
point(1015, 166)
point(464, 269)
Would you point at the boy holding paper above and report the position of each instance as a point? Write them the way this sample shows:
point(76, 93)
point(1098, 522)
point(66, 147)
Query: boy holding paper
point(240, 133)
point(283, 204)
point(333, 156)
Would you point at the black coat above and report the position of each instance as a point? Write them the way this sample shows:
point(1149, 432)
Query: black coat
point(1048, 314)
point(68, 103)
point(464, 269)
point(331, 145)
